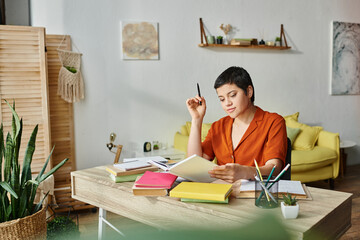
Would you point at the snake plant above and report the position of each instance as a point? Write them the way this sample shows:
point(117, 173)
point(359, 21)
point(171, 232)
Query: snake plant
point(17, 190)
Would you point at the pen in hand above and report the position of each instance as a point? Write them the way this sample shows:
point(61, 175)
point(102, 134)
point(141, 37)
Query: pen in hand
point(198, 88)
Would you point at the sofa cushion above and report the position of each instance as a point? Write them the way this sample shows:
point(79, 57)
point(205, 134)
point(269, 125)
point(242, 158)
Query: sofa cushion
point(184, 130)
point(294, 116)
point(292, 133)
point(302, 160)
point(307, 137)
point(204, 129)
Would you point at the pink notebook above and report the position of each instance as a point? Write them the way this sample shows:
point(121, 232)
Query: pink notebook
point(156, 180)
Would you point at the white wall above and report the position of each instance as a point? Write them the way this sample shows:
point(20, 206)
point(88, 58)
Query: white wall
point(145, 100)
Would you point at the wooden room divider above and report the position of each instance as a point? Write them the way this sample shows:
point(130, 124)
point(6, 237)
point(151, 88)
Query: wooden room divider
point(23, 79)
point(29, 76)
point(62, 127)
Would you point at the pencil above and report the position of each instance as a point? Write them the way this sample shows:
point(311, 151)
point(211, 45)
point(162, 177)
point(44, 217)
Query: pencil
point(198, 89)
point(272, 171)
point(279, 175)
point(261, 178)
point(257, 168)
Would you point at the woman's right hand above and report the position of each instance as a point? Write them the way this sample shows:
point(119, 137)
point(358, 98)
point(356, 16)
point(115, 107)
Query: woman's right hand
point(196, 110)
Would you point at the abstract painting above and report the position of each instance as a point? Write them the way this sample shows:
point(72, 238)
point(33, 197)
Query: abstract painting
point(139, 40)
point(345, 59)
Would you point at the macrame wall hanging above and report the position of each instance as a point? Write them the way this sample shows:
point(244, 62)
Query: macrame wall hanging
point(70, 84)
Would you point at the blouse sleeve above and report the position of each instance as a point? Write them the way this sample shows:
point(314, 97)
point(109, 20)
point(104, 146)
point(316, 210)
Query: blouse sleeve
point(276, 145)
point(206, 145)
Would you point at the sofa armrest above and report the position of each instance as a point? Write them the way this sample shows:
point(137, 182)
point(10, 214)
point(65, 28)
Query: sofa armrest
point(332, 141)
point(181, 141)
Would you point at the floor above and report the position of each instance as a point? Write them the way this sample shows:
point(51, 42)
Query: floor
point(349, 183)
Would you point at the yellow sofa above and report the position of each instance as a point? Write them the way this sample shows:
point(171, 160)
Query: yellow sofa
point(317, 160)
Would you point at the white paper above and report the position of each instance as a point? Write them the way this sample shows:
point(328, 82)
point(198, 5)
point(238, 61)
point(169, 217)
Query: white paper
point(194, 168)
point(146, 159)
point(131, 165)
point(293, 187)
point(284, 186)
point(247, 185)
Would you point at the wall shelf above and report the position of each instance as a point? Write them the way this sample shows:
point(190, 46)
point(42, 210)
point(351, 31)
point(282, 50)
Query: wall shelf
point(283, 42)
point(244, 46)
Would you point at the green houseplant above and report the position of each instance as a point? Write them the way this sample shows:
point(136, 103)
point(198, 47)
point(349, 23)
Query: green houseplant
point(289, 206)
point(62, 227)
point(18, 189)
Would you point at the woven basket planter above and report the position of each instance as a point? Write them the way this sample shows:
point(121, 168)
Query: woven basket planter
point(30, 227)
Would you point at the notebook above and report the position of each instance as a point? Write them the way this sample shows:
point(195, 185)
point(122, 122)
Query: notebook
point(202, 191)
point(156, 180)
point(131, 165)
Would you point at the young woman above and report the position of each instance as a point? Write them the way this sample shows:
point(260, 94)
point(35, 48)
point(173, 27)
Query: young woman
point(247, 133)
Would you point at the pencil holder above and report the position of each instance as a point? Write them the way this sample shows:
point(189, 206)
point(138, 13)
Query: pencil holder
point(266, 198)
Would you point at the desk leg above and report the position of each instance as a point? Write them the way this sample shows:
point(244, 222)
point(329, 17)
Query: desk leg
point(102, 224)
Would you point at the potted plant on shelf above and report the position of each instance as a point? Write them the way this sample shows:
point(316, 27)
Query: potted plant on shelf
point(277, 41)
point(20, 218)
point(219, 39)
point(289, 207)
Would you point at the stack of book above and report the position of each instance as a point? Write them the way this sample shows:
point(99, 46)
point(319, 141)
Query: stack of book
point(240, 41)
point(202, 192)
point(125, 174)
point(153, 184)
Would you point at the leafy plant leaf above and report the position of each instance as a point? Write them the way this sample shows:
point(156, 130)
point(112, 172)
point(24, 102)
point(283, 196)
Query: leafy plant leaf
point(26, 170)
point(8, 158)
point(45, 165)
point(1, 151)
point(39, 205)
point(15, 120)
point(8, 188)
point(49, 173)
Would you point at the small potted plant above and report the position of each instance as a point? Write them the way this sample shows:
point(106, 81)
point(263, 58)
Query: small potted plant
point(219, 39)
point(277, 41)
point(289, 207)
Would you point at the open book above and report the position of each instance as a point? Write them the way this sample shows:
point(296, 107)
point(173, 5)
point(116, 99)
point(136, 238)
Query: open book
point(246, 189)
point(295, 188)
point(193, 168)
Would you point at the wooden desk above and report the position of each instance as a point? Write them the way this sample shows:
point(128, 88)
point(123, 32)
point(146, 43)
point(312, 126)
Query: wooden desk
point(329, 213)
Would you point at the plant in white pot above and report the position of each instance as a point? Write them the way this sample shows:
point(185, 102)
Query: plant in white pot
point(289, 207)
point(17, 189)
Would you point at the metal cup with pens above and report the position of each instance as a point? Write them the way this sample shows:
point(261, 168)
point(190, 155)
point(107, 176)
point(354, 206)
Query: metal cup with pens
point(266, 193)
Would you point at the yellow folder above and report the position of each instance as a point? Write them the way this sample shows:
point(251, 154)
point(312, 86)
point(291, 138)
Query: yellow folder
point(203, 191)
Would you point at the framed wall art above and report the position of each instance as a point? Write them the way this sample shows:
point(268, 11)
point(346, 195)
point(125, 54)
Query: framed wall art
point(345, 73)
point(139, 40)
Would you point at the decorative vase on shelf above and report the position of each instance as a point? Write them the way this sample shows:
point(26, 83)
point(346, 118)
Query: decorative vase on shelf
point(227, 40)
point(211, 39)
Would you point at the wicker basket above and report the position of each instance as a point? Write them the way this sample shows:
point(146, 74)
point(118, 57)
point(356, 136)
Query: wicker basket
point(30, 227)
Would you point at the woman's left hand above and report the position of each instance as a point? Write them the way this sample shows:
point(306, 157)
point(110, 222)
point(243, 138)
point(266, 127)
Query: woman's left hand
point(231, 172)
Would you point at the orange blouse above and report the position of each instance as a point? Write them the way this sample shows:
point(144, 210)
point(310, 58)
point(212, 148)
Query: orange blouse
point(264, 139)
